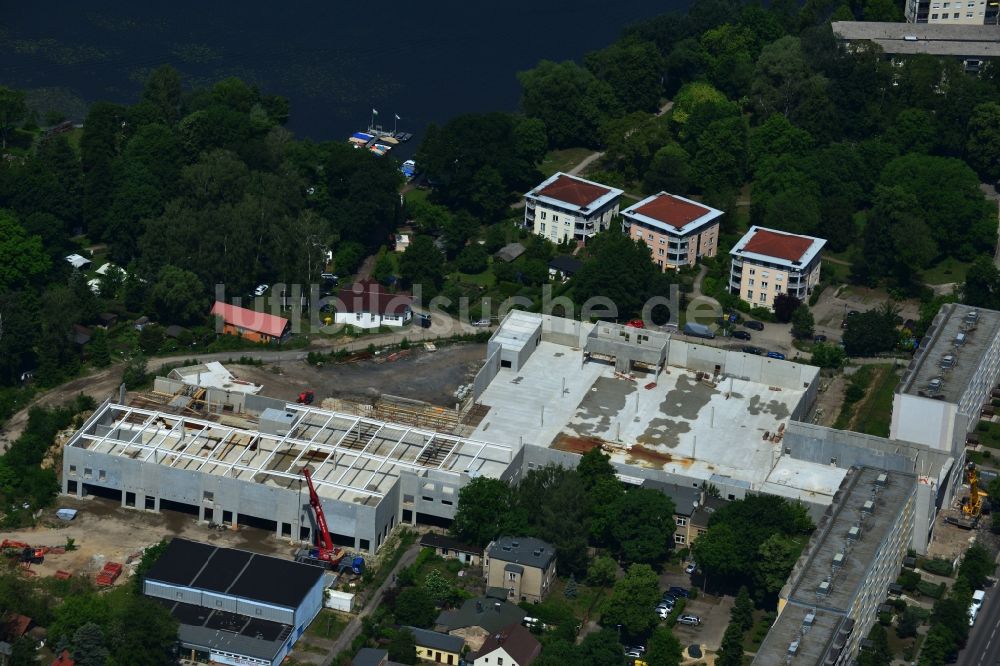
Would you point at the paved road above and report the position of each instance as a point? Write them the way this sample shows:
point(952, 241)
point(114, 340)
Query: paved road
point(983, 646)
point(353, 627)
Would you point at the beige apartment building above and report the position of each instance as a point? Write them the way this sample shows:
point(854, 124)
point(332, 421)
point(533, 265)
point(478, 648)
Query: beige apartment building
point(951, 12)
point(567, 208)
point(766, 263)
point(678, 231)
point(523, 566)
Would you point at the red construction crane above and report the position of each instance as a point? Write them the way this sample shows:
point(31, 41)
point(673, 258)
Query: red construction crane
point(325, 552)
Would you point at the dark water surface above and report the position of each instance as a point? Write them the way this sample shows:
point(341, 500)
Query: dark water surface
point(335, 61)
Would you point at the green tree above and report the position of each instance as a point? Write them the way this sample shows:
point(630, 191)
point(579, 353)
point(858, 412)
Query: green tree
point(402, 647)
point(600, 648)
point(142, 632)
point(619, 269)
point(878, 653)
point(12, 111)
point(135, 376)
point(570, 100)
point(803, 324)
point(439, 589)
point(982, 284)
point(983, 146)
point(908, 623)
point(742, 612)
point(664, 648)
point(631, 602)
point(602, 572)
point(88, 646)
point(163, 92)
point(828, 356)
point(422, 263)
point(869, 333)
point(178, 297)
point(939, 646)
point(383, 268)
point(644, 527)
point(483, 505)
point(776, 557)
point(22, 257)
point(785, 306)
point(669, 170)
point(633, 68)
point(100, 352)
point(731, 651)
point(977, 565)
point(149, 557)
point(415, 607)
point(472, 259)
point(594, 466)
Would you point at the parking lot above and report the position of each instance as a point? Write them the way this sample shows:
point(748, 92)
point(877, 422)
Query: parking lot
point(713, 611)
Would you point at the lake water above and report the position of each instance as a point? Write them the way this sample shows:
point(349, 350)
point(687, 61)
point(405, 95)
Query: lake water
point(425, 61)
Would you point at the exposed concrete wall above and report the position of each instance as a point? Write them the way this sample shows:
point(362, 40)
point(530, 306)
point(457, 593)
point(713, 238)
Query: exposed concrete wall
point(216, 399)
point(220, 494)
point(751, 367)
point(562, 331)
point(486, 373)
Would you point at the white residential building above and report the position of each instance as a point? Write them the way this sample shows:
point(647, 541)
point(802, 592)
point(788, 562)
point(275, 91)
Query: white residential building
point(565, 207)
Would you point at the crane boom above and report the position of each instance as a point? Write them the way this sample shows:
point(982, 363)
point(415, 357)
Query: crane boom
point(326, 547)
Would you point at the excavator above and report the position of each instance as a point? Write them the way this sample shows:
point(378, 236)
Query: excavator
point(324, 554)
point(972, 506)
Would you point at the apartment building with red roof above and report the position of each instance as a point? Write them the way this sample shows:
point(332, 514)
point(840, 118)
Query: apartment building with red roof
point(767, 262)
point(678, 231)
point(570, 208)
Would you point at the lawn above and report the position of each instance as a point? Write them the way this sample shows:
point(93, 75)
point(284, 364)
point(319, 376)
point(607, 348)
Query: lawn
point(562, 160)
point(834, 272)
point(989, 434)
point(875, 412)
point(949, 270)
point(328, 624)
point(485, 279)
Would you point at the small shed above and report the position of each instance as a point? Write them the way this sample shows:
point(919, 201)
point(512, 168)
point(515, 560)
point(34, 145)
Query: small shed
point(509, 252)
point(66, 514)
point(108, 319)
point(341, 601)
point(78, 262)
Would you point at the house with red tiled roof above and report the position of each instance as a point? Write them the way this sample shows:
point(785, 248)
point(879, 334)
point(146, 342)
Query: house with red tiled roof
point(570, 208)
point(64, 659)
point(767, 262)
point(250, 324)
point(366, 304)
point(678, 231)
point(511, 646)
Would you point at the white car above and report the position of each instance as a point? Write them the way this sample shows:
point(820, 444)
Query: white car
point(260, 290)
point(690, 568)
point(977, 602)
point(663, 610)
point(482, 323)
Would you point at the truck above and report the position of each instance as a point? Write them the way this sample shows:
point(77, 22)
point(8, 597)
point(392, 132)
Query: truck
point(698, 331)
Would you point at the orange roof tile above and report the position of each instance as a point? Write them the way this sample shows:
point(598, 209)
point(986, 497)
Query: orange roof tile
point(251, 320)
point(573, 191)
point(773, 244)
point(672, 210)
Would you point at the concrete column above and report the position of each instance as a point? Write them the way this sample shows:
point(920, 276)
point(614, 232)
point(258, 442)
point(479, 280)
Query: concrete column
point(236, 519)
point(357, 543)
point(201, 513)
point(124, 495)
point(156, 504)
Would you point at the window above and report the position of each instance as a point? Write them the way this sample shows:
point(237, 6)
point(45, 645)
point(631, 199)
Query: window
point(72, 469)
point(681, 521)
point(500, 661)
point(764, 274)
point(448, 502)
point(749, 295)
point(779, 278)
point(426, 498)
point(555, 218)
point(763, 285)
point(102, 475)
point(680, 538)
point(946, 5)
point(208, 496)
point(752, 271)
point(945, 15)
point(750, 282)
point(542, 226)
point(661, 251)
point(763, 297)
point(543, 215)
point(662, 241)
point(650, 236)
point(87, 472)
point(934, 16)
point(511, 576)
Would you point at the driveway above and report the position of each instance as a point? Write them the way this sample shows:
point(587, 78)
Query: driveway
point(713, 611)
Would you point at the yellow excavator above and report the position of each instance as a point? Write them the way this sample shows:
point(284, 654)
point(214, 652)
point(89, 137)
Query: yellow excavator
point(972, 506)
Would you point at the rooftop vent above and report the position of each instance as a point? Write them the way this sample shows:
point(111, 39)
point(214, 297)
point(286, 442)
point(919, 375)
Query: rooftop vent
point(824, 588)
point(882, 479)
point(536, 552)
point(971, 317)
point(868, 507)
point(854, 533)
point(960, 339)
point(948, 361)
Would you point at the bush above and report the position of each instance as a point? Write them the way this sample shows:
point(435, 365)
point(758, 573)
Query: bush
point(938, 566)
point(909, 580)
point(929, 589)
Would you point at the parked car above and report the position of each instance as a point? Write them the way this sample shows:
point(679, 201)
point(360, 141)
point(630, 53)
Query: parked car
point(977, 603)
point(777, 355)
point(679, 591)
point(424, 320)
point(481, 323)
point(690, 568)
point(641, 649)
point(819, 338)
point(697, 330)
point(753, 325)
point(690, 620)
point(663, 612)
point(753, 350)
point(261, 290)
point(741, 335)
point(668, 600)
point(629, 652)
